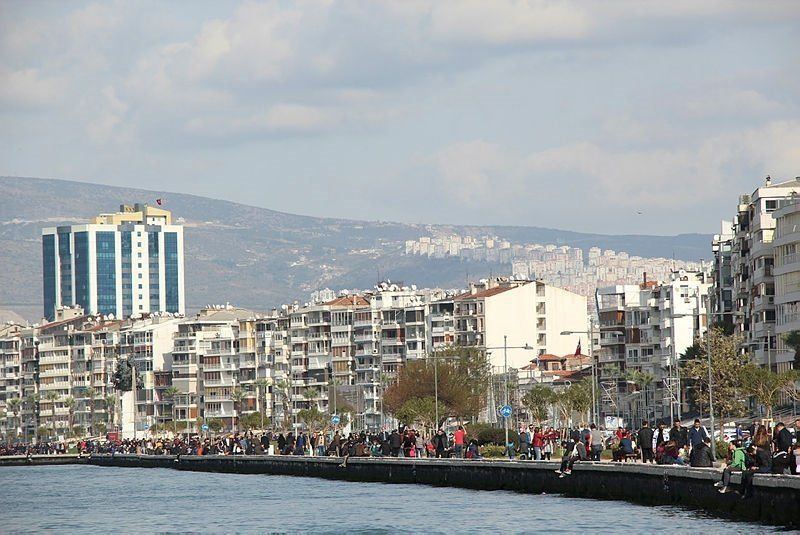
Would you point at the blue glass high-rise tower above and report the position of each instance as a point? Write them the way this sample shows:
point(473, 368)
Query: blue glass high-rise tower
point(125, 263)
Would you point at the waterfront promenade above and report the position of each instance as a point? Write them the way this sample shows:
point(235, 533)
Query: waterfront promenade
point(774, 500)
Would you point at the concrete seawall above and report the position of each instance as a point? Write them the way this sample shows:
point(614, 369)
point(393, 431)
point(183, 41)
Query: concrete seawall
point(775, 501)
point(39, 460)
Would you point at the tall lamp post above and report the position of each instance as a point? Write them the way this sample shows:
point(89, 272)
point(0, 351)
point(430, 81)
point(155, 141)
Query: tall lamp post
point(505, 347)
point(590, 334)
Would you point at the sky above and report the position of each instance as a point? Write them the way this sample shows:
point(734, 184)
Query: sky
point(605, 116)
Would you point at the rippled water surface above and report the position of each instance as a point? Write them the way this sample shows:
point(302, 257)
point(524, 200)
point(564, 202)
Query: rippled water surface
point(92, 499)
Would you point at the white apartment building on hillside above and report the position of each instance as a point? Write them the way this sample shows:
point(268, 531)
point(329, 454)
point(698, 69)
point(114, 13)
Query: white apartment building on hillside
point(495, 312)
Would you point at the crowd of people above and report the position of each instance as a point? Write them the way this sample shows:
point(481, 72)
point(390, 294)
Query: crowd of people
point(750, 451)
point(753, 450)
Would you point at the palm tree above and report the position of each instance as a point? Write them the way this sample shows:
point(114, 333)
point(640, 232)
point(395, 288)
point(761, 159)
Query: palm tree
point(91, 393)
point(14, 405)
point(171, 394)
point(70, 404)
point(262, 385)
point(30, 401)
point(642, 380)
point(237, 396)
point(52, 397)
point(283, 388)
point(111, 408)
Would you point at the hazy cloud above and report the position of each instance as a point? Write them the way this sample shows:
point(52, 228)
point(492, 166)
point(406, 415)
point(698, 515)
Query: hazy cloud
point(500, 105)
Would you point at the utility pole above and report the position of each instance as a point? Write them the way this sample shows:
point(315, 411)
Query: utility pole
point(505, 374)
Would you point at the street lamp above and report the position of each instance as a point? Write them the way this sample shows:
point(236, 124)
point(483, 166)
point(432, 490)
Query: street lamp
point(590, 334)
point(505, 347)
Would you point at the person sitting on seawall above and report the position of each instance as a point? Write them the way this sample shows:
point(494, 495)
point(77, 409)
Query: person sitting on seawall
point(736, 462)
point(761, 463)
point(579, 453)
point(625, 446)
point(670, 454)
point(473, 451)
point(700, 456)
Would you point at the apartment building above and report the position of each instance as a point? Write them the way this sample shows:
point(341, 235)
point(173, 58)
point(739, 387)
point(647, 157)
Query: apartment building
point(722, 297)
point(752, 265)
point(122, 263)
point(787, 280)
point(519, 314)
point(147, 340)
point(645, 328)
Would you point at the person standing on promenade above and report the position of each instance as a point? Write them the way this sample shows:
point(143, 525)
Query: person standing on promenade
point(697, 434)
point(645, 439)
point(396, 443)
point(538, 443)
point(796, 448)
point(440, 443)
point(596, 438)
point(679, 434)
point(783, 448)
point(460, 439)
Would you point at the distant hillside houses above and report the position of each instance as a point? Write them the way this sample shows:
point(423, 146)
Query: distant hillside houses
point(562, 266)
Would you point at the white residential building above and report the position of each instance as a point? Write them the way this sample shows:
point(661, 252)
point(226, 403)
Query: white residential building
point(498, 312)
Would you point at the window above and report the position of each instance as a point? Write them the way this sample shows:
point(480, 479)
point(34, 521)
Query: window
point(771, 205)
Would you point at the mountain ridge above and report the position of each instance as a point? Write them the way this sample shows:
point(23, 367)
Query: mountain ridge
point(260, 257)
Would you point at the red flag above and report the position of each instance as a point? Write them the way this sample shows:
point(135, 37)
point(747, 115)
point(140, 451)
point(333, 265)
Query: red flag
point(578, 349)
point(158, 202)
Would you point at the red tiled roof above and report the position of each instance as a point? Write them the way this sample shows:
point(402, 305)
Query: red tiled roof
point(348, 301)
point(547, 357)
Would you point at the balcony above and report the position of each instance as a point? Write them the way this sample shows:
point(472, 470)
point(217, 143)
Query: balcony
point(219, 414)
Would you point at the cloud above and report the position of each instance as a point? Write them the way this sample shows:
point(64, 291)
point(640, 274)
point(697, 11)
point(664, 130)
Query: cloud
point(619, 179)
point(470, 170)
point(28, 88)
point(503, 22)
point(732, 102)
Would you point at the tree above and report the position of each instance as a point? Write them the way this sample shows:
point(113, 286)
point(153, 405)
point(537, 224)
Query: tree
point(250, 421)
point(215, 424)
point(172, 394)
point(538, 401)
point(792, 339)
point(313, 418)
point(463, 376)
point(262, 386)
point(641, 380)
point(237, 395)
point(766, 387)
point(282, 388)
point(52, 397)
point(577, 397)
point(727, 364)
point(419, 410)
point(91, 393)
point(111, 407)
point(70, 404)
point(13, 406)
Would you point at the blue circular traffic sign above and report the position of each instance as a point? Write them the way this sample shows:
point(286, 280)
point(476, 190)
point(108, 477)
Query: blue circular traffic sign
point(335, 419)
point(505, 411)
point(204, 427)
